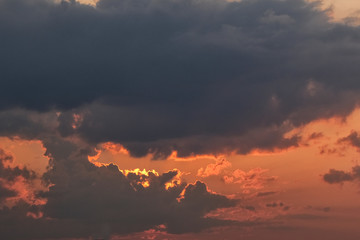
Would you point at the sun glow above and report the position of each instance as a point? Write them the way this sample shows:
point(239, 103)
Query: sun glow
point(137, 171)
point(174, 156)
point(115, 148)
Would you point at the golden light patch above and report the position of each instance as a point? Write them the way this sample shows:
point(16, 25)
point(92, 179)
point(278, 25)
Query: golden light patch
point(174, 156)
point(88, 2)
point(341, 9)
point(115, 148)
point(95, 157)
point(214, 169)
point(137, 171)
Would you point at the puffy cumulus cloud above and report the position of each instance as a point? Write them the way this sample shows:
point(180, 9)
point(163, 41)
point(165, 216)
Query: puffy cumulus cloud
point(84, 200)
point(338, 176)
point(188, 76)
point(252, 179)
point(214, 168)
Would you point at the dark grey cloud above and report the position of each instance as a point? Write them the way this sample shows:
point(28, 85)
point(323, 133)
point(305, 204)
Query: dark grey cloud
point(250, 208)
point(191, 76)
point(114, 197)
point(274, 204)
point(6, 193)
point(353, 138)
point(84, 200)
point(27, 124)
point(159, 136)
point(315, 135)
point(158, 76)
point(265, 194)
point(338, 176)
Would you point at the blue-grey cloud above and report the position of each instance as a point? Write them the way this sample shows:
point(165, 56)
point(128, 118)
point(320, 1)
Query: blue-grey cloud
point(159, 76)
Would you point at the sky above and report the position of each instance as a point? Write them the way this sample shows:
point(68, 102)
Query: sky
point(179, 119)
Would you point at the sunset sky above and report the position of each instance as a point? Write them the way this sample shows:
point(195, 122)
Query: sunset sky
point(180, 119)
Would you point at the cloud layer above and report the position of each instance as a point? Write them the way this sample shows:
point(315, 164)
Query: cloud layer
point(156, 76)
point(192, 76)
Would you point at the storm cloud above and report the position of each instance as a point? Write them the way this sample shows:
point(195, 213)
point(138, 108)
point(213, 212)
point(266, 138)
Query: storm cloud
point(158, 76)
point(191, 76)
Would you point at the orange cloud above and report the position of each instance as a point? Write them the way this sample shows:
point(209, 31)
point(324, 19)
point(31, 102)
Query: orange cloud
point(25, 191)
point(139, 172)
point(115, 148)
point(253, 179)
point(174, 156)
point(77, 120)
point(214, 168)
point(93, 158)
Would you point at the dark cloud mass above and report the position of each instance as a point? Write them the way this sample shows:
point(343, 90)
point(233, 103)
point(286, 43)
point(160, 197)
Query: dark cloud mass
point(338, 176)
point(84, 200)
point(157, 76)
point(192, 76)
point(114, 198)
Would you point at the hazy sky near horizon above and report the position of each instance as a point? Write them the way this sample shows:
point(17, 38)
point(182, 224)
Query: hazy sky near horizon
point(174, 119)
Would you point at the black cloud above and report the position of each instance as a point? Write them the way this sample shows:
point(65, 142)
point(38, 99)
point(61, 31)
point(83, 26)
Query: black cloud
point(158, 76)
point(191, 76)
point(337, 176)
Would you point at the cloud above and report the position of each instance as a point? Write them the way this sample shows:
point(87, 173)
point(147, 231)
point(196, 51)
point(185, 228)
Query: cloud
point(195, 77)
point(264, 194)
point(14, 181)
point(117, 200)
point(353, 139)
point(214, 169)
point(252, 179)
point(274, 205)
point(198, 77)
point(27, 124)
point(315, 135)
point(6, 193)
point(338, 176)
point(11, 173)
point(83, 199)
